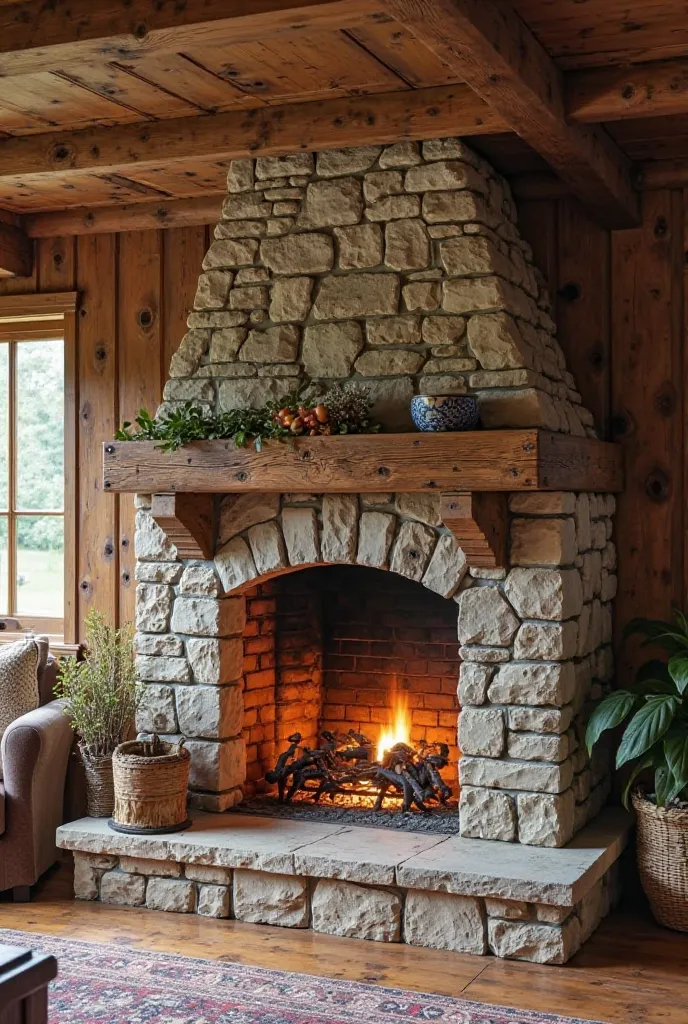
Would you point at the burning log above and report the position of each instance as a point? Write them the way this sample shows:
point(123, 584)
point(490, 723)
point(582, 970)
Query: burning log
point(345, 765)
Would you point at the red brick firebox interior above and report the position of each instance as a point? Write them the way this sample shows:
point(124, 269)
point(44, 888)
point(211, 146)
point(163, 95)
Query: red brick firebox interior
point(329, 647)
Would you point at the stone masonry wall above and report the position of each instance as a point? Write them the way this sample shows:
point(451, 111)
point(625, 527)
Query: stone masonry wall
point(400, 266)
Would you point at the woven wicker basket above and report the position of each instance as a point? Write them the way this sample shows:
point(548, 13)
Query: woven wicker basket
point(100, 789)
point(662, 842)
point(150, 784)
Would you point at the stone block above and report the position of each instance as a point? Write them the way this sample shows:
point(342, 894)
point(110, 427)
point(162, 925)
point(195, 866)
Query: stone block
point(412, 549)
point(273, 345)
point(217, 767)
point(159, 644)
point(150, 543)
point(267, 547)
point(332, 163)
point(158, 572)
point(122, 889)
point(144, 866)
point(474, 295)
point(393, 208)
point(395, 330)
point(521, 775)
point(307, 253)
point(331, 203)
point(555, 720)
point(494, 338)
point(487, 814)
point(517, 407)
point(447, 567)
point(485, 617)
point(240, 176)
point(204, 616)
point(339, 535)
point(423, 507)
point(538, 943)
point(400, 154)
point(215, 661)
point(329, 350)
point(356, 911)
point(553, 594)
point(481, 731)
point(548, 542)
point(382, 183)
point(535, 746)
point(153, 607)
point(234, 564)
point(263, 898)
point(390, 363)
point(241, 511)
point(162, 669)
point(213, 901)
point(208, 874)
point(474, 680)
point(546, 641)
point(422, 296)
point(357, 295)
point(283, 166)
point(445, 330)
point(375, 533)
point(533, 683)
point(300, 530)
point(230, 252)
point(210, 712)
point(360, 247)
point(545, 820)
point(171, 894)
point(200, 581)
point(157, 710)
point(443, 921)
point(407, 246)
point(442, 175)
point(187, 358)
point(290, 299)
point(213, 289)
point(508, 910)
point(87, 873)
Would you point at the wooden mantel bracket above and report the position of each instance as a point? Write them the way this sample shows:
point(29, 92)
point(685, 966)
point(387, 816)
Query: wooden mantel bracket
point(478, 520)
point(188, 520)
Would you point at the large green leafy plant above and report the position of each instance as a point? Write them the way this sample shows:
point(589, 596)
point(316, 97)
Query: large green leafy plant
point(655, 709)
point(101, 692)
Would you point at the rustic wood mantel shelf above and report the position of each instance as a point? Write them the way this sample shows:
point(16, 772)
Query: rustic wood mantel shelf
point(473, 471)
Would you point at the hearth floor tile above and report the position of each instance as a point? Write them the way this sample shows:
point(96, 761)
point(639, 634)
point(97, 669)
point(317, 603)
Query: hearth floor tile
point(363, 854)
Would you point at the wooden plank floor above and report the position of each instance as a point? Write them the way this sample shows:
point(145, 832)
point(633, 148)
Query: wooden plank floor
point(630, 972)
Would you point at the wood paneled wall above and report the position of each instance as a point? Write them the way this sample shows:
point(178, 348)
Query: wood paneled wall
point(619, 303)
point(135, 290)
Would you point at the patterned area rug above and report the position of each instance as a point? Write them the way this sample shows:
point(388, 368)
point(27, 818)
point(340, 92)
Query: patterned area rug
point(99, 984)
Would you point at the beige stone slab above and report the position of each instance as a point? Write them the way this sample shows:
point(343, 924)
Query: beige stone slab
point(362, 854)
point(222, 840)
point(479, 867)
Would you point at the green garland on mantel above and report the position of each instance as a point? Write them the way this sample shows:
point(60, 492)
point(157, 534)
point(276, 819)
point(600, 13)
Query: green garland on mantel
point(342, 409)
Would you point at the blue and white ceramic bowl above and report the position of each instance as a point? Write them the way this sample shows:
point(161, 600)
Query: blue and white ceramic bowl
point(445, 412)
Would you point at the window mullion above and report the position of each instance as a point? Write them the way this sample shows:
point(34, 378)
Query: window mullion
point(12, 481)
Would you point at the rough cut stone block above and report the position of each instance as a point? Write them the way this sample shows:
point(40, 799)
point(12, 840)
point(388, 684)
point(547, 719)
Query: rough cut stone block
point(423, 507)
point(329, 350)
point(392, 363)
point(234, 564)
point(412, 549)
point(526, 407)
point(215, 661)
point(210, 712)
point(445, 174)
point(407, 246)
point(481, 731)
point(290, 299)
point(241, 511)
point(360, 247)
point(308, 253)
point(485, 617)
point(284, 166)
point(487, 655)
point(208, 874)
point(395, 330)
point(331, 163)
point(422, 296)
point(339, 528)
point(447, 567)
point(382, 183)
point(171, 894)
point(300, 529)
point(123, 889)
point(443, 921)
point(231, 252)
point(162, 670)
point(494, 338)
point(539, 943)
point(330, 203)
point(87, 874)
point(273, 345)
point(144, 866)
point(533, 683)
point(508, 910)
point(213, 901)
point(200, 616)
point(217, 766)
point(213, 289)
point(547, 641)
point(555, 720)
point(475, 295)
point(267, 547)
point(375, 532)
point(249, 394)
point(487, 814)
point(474, 680)
point(545, 820)
point(393, 208)
point(157, 710)
point(356, 295)
point(225, 344)
point(549, 542)
point(158, 572)
point(401, 154)
point(150, 543)
point(360, 912)
point(264, 898)
point(539, 778)
point(545, 593)
point(153, 607)
point(445, 330)
point(240, 176)
point(534, 746)
point(200, 581)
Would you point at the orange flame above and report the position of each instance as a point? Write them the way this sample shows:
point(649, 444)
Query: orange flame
point(399, 730)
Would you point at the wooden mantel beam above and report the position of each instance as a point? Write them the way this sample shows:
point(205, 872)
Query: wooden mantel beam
point(266, 131)
point(490, 48)
point(16, 251)
point(38, 36)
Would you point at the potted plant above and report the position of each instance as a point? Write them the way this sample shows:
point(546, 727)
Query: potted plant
point(100, 694)
point(655, 742)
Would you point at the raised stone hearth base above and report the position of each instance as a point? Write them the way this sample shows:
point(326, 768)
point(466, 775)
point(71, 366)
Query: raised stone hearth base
point(465, 895)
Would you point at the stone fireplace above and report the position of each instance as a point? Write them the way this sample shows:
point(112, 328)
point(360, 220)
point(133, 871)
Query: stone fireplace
point(401, 267)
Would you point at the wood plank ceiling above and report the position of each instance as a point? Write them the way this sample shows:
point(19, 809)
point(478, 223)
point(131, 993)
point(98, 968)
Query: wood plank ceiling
point(87, 87)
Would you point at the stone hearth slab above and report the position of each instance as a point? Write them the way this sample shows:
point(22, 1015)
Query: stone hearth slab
point(468, 867)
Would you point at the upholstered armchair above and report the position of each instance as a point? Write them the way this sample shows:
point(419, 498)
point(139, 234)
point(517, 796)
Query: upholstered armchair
point(35, 754)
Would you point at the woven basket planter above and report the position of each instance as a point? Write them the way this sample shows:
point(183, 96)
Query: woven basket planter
point(662, 843)
point(151, 779)
point(100, 789)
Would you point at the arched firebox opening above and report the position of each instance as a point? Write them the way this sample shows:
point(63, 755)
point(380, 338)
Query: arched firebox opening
point(348, 657)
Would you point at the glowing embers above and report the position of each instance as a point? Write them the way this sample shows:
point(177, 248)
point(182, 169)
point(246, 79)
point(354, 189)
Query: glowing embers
point(343, 770)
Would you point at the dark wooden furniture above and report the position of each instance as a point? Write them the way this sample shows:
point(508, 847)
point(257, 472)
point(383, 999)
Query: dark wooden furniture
point(24, 980)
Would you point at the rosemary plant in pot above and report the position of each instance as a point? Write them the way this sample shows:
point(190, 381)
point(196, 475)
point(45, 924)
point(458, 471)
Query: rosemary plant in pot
point(100, 694)
point(654, 744)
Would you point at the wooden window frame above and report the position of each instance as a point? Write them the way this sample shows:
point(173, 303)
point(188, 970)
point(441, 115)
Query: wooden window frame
point(37, 317)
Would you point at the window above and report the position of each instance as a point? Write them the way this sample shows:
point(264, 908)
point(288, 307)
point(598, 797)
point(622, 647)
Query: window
point(32, 478)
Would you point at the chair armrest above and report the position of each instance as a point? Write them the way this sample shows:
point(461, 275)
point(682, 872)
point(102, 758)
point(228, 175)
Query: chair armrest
point(35, 751)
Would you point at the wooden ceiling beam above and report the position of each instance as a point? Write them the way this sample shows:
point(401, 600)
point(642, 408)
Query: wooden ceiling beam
point(292, 128)
point(659, 89)
point(490, 48)
point(145, 216)
point(37, 36)
point(16, 251)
